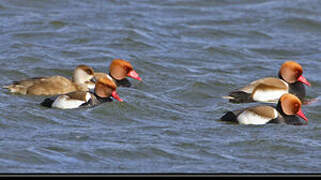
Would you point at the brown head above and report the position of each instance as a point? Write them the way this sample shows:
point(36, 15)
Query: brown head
point(83, 74)
point(105, 88)
point(291, 105)
point(291, 72)
point(120, 69)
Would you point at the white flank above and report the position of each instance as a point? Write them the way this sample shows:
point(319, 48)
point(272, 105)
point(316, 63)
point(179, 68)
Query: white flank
point(268, 95)
point(248, 117)
point(63, 102)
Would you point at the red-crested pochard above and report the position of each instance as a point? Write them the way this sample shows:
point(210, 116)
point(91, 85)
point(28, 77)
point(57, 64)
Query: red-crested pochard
point(82, 79)
point(270, 89)
point(119, 69)
point(104, 90)
point(286, 111)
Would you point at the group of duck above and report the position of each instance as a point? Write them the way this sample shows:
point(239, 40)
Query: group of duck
point(282, 96)
point(86, 88)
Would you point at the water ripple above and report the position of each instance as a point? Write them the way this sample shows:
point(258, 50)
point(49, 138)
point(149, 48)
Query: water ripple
point(189, 53)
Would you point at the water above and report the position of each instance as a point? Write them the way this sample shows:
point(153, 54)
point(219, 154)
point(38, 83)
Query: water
point(189, 54)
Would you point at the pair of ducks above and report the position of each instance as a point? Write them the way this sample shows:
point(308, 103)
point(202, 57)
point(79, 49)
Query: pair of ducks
point(77, 92)
point(287, 92)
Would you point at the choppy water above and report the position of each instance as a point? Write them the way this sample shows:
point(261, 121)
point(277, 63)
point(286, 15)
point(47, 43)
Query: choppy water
point(189, 54)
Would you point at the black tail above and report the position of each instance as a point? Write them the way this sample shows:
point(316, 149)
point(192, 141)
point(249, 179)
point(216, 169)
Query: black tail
point(240, 97)
point(229, 116)
point(47, 102)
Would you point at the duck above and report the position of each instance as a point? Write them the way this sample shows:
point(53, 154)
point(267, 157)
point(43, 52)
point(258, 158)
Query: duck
point(83, 79)
point(104, 89)
point(270, 89)
point(287, 111)
point(119, 69)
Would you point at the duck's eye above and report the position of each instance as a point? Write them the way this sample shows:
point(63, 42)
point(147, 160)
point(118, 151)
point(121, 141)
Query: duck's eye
point(296, 107)
point(89, 71)
point(127, 69)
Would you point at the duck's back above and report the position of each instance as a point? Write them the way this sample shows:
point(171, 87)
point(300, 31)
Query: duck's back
point(52, 86)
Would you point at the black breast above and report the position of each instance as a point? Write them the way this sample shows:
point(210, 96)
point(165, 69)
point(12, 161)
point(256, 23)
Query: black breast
point(297, 89)
point(96, 100)
point(292, 120)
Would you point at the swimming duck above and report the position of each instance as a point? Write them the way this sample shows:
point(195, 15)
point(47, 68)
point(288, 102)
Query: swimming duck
point(82, 79)
point(287, 110)
point(270, 89)
point(119, 69)
point(105, 88)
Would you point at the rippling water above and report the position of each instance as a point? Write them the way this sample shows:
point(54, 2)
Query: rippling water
point(189, 54)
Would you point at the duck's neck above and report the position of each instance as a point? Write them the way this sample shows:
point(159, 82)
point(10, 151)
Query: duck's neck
point(280, 77)
point(79, 77)
point(279, 108)
point(102, 99)
point(297, 88)
point(123, 82)
point(112, 77)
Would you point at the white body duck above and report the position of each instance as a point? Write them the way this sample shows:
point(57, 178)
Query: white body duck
point(286, 111)
point(82, 80)
point(270, 89)
point(104, 90)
